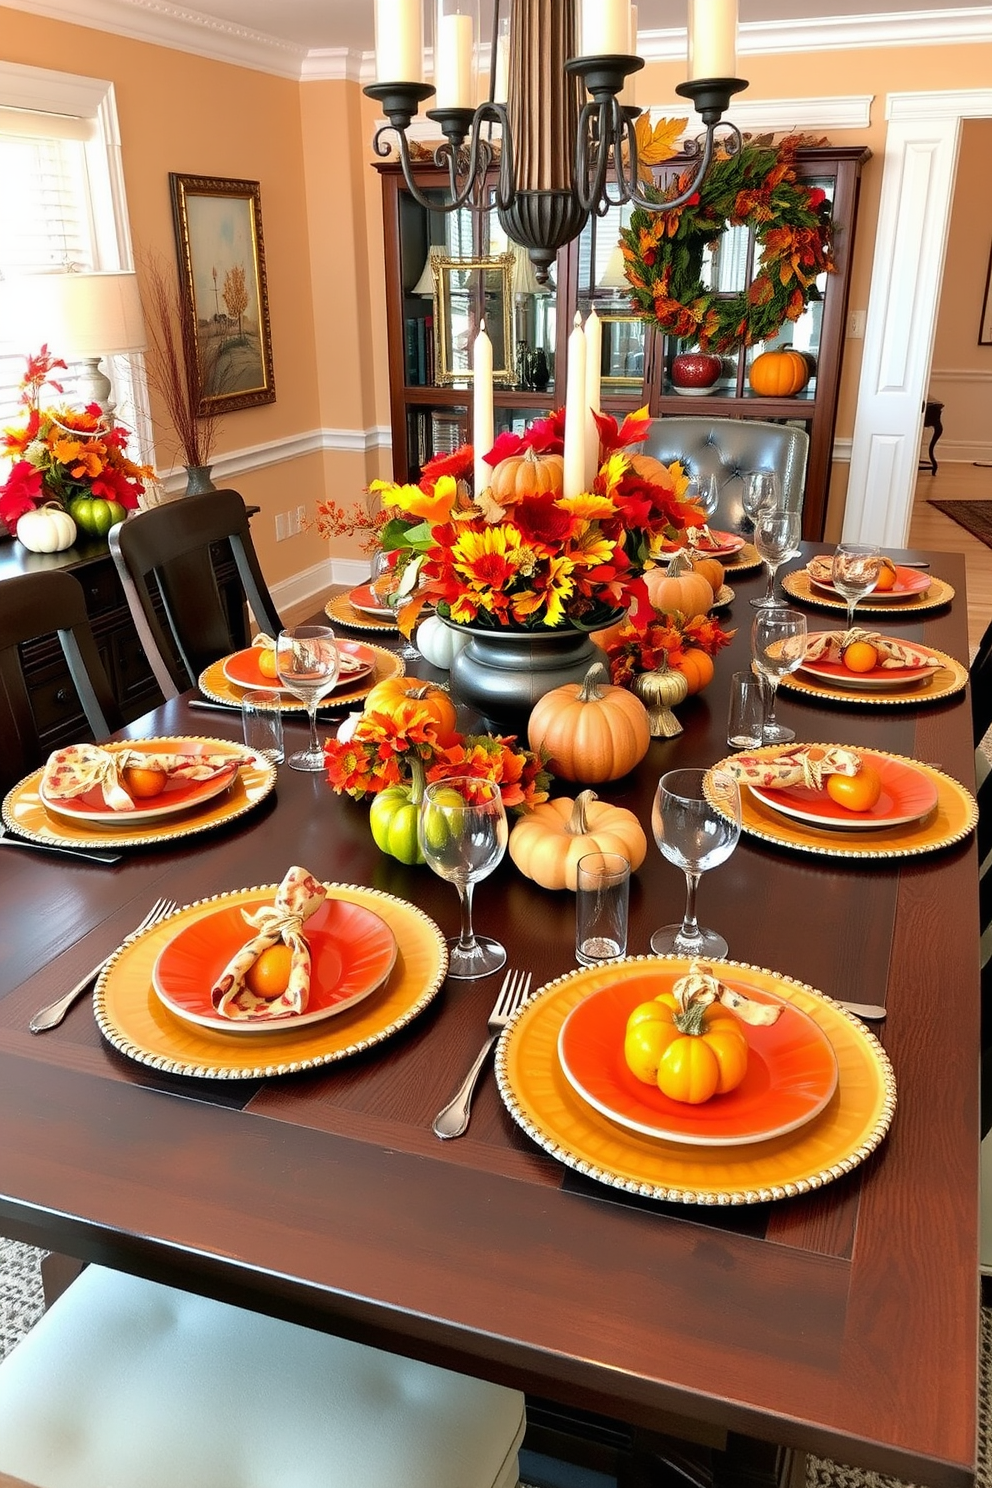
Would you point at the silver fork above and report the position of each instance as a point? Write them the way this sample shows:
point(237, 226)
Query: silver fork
point(52, 1015)
point(453, 1120)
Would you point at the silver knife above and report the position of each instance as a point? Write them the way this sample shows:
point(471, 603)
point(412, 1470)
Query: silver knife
point(90, 855)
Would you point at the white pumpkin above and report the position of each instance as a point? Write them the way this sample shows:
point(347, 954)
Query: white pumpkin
point(439, 643)
point(47, 529)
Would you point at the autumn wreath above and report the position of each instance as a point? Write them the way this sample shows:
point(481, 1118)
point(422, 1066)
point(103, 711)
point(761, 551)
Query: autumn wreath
point(755, 188)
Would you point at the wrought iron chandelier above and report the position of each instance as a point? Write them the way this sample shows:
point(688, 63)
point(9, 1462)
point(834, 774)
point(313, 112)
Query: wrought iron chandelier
point(562, 154)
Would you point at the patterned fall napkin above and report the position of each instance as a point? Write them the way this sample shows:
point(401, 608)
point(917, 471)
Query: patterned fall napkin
point(702, 986)
point(348, 663)
point(807, 767)
point(78, 768)
point(830, 645)
point(298, 897)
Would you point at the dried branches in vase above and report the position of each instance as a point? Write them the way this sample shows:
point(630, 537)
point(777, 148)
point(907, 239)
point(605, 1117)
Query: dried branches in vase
point(175, 370)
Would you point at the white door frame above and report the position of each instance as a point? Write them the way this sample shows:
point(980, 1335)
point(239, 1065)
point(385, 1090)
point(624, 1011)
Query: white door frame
point(921, 152)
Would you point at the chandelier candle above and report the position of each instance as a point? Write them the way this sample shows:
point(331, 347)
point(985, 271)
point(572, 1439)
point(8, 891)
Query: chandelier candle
point(483, 429)
point(605, 28)
point(574, 472)
point(454, 57)
point(712, 39)
point(594, 352)
point(628, 96)
point(399, 41)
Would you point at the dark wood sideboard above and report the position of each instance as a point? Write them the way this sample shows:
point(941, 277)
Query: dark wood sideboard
point(58, 714)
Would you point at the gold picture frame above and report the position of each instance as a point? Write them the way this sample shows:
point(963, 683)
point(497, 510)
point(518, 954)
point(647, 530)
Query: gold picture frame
point(218, 225)
point(466, 292)
point(623, 353)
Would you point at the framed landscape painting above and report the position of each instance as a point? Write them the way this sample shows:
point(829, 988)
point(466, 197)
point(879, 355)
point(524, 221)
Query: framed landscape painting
point(222, 274)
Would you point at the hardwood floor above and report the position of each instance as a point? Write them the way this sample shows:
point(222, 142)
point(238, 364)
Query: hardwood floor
point(931, 529)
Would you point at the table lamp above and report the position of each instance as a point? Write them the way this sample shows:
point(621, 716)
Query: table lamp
point(81, 317)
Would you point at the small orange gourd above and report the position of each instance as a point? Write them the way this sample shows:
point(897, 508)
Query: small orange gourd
point(591, 730)
point(697, 668)
point(679, 587)
point(528, 474)
point(779, 374)
point(392, 693)
point(548, 842)
point(712, 570)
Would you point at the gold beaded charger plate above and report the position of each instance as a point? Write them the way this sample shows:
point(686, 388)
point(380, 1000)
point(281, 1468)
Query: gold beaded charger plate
point(746, 561)
point(799, 585)
point(943, 682)
point(341, 610)
point(214, 683)
point(24, 810)
point(540, 1099)
point(132, 1017)
point(951, 820)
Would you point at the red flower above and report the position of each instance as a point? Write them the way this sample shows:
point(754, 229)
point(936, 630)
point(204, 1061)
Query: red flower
point(541, 520)
point(22, 489)
point(459, 463)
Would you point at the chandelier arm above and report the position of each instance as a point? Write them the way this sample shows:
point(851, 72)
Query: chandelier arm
point(590, 179)
point(672, 204)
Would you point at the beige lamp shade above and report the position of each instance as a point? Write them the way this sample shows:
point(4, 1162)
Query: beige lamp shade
point(613, 276)
point(75, 315)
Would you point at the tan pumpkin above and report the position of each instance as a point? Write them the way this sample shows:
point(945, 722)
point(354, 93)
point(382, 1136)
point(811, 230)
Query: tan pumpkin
point(679, 587)
point(778, 374)
point(650, 469)
point(528, 474)
point(591, 730)
point(697, 668)
point(548, 842)
point(389, 695)
point(711, 569)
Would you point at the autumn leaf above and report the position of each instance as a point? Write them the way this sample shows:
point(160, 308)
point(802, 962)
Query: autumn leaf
point(656, 144)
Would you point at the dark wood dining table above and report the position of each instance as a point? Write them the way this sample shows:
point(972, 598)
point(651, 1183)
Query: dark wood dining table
point(843, 1322)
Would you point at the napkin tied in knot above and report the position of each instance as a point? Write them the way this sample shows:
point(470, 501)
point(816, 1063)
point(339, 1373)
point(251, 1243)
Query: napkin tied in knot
point(346, 662)
point(808, 767)
point(830, 645)
point(701, 987)
point(298, 897)
point(79, 768)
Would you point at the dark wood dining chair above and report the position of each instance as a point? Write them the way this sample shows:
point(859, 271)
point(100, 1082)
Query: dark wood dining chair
point(981, 686)
point(33, 606)
point(183, 618)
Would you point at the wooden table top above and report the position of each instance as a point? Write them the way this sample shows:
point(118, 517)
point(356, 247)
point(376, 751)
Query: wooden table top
point(844, 1322)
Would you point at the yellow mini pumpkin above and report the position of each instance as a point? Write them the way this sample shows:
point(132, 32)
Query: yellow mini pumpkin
point(548, 842)
point(528, 474)
point(591, 730)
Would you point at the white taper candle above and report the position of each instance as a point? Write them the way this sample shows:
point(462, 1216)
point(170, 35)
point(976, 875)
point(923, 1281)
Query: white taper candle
point(574, 474)
point(399, 41)
point(483, 435)
point(594, 352)
point(712, 39)
point(453, 55)
point(605, 27)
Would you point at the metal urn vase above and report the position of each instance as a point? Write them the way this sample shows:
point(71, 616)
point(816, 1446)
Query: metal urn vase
point(502, 673)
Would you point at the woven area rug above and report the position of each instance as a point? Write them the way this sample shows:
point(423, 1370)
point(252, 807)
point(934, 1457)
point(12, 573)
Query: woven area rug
point(974, 516)
point(21, 1305)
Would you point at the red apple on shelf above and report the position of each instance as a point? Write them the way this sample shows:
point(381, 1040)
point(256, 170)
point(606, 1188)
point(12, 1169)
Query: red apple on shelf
point(696, 370)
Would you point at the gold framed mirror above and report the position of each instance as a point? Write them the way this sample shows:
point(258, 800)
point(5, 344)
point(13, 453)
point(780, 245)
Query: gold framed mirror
point(466, 292)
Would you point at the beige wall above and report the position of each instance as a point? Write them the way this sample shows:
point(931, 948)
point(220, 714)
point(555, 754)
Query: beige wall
point(309, 147)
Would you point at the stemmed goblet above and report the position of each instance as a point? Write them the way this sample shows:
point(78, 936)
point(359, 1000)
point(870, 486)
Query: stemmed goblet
point(778, 641)
point(760, 488)
point(381, 564)
point(854, 570)
point(308, 665)
point(695, 833)
point(463, 832)
point(777, 530)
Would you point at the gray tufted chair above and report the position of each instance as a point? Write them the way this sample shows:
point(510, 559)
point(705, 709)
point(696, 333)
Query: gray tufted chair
point(729, 448)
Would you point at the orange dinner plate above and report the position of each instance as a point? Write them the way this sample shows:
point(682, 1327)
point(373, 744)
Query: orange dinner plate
point(909, 583)
point(242, 667)
point(724, 544)
point(879, 679)
point(791, 1070)
point(352, 953)
point(908, 795)
point(367, 602)
point(91, 810)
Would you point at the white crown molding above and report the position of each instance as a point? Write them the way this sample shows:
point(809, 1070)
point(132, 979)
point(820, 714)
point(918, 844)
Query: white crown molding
point(778, 114)
point(186, 29)
point(177, 27)
point(917, 107)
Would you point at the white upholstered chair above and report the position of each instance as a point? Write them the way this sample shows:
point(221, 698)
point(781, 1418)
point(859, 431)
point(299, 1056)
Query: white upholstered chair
point(128, 1384)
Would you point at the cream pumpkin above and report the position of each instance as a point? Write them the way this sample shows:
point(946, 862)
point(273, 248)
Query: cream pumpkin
point(679, 587)
point(548, 842)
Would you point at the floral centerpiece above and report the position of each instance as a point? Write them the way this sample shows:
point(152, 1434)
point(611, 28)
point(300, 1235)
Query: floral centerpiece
point(397, 747)
point(520, 555)
point(67, 456)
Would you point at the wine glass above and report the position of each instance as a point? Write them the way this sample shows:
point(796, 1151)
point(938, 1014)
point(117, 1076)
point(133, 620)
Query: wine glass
point(778, 641)
point(462, 832)
point(854, 570)
point(694, 833)
point(777, 531)
point(760, 489)
point(707, 497)
point(308, 665)
point(382, 562)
